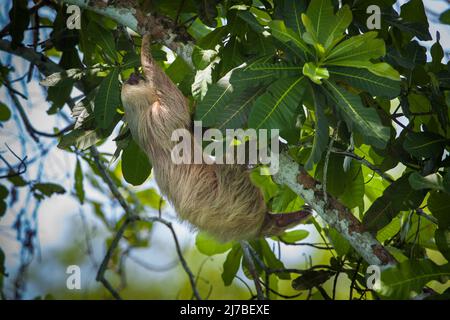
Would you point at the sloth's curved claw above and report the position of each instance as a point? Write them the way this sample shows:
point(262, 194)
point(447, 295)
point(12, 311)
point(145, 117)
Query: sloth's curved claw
point(276, 223)
point(284, 220)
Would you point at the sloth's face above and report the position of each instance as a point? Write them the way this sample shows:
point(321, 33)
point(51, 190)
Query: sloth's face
point(136, 93)
point(137, 98)
point(134, 79)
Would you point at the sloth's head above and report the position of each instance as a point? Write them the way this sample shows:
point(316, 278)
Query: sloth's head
point(137, 98)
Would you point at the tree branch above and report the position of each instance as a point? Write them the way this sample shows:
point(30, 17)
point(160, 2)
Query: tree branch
point(333, 213)
point(141, 23)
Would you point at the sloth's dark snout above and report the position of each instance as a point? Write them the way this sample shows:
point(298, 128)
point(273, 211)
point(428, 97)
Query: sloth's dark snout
point(134, 79)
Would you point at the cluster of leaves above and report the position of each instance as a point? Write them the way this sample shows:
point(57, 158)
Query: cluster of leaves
point(369, 99)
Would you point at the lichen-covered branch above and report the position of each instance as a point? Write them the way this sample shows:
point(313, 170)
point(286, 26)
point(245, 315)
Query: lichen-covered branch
point(161, 28)
point(332, 212)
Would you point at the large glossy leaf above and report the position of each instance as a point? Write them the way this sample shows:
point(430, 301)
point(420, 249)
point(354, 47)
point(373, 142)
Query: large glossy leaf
point(315, 73)
point(399, 196)
point(311, 279)
point(431, 181)
point(366, 80)
point(286, 35)
point(107, 99)
point(407, 279)
point(135, 165)
point(5, 113)
point(227, 102)
point(81, 139)
point(321, 131)
point(362, 47)
point(358, 51)
point(424, 144)
point(294, 236)
point(442, 239)
point(231, 264)
point(439, 205)
point(413, 12)
point(276, 109)
point(365, 120)
point(326, 26)
point(235, 113)
point(209, 246)
point(290, 12)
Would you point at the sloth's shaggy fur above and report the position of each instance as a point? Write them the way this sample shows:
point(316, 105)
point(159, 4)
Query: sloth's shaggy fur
point(219, 199)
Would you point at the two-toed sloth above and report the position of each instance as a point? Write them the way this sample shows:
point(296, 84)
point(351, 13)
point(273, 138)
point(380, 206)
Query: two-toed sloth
point(217, 198)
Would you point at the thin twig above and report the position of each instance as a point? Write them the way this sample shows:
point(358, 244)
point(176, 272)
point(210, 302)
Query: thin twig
point(104, 265)
point(252, 269)
point(352, 285)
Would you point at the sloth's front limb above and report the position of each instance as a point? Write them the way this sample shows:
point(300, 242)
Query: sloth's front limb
point(276, 223)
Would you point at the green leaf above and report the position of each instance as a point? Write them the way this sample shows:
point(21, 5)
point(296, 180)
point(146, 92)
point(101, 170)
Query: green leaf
point(358, 51)
point(209, 246)
point(277, 108)
point(314, 73)
point(202, 58)
point(5, 113)
point(311, 279)
point(264, 182)
point(79, 190)
point(130, 60)
point(367, 81)
point(3, 192)
point(445, 17)
point(361, 47)
point(150, 198)
point(201, 82)
point(290, 12)
point(432, 181)
point(286, 35)
point(442, 238)
point(135, 164)
point(271, 260)
point(439, 206)
point(327, 27)
point(294, 236)
point(59, 78)
point(42, 190)
point(81, 139)
point(414, 12)
point(3, 207)
point(321, 134)
point(235, 114)
point(365, 120)
point(424, 144)
point(248, 18)
point(107, 99)
point(104, 38)
point(399, 196)
point(286, 200)
point(207, 12)
point(340, 244)
point(231, 264)
point(407, 279)
point(19, 20)
point(227, 105)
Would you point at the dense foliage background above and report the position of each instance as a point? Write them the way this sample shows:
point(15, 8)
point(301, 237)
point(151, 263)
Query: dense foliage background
point(365, 112)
